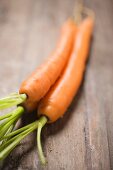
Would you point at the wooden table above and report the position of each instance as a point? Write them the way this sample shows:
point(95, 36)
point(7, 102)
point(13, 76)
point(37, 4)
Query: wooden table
point(83, 139)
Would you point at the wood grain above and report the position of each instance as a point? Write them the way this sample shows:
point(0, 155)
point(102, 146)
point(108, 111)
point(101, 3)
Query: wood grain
point(83, 138)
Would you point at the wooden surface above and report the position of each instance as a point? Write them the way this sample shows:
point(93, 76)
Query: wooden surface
point(83, 139)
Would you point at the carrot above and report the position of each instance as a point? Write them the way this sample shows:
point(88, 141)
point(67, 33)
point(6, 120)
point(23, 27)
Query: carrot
point(37, 85)
point(59, 97)
point(29, 106)
point(40, 81)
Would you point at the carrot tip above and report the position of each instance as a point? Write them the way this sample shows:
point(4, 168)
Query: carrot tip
point(89, 12)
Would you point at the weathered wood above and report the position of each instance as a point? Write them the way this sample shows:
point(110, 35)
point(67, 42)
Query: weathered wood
point(100, 69)
point(83, 139)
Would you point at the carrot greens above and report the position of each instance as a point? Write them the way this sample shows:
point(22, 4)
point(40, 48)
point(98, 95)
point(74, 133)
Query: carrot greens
point(12, 100)
point(14, 138)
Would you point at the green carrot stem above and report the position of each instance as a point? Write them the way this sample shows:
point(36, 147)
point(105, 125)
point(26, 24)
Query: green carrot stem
point(5, 116)
point(7, 147)
point(12, 115)
point(3, 146)
point(10, 128)
point(12, 100)
point(5, 152)
point(9, 141)
point(9, 131)
point(6, 125)
point(42, 122)
point(14, 138)
point(19, 130)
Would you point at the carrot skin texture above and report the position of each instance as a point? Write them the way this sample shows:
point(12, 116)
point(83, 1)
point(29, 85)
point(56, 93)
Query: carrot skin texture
point(60, 96)
point(40, 81)
point(29, 106)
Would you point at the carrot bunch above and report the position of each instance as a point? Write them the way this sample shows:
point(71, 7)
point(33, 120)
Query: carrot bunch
point(51, 88)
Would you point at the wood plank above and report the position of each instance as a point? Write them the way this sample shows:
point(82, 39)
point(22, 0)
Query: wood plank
point(13, 26)
point(95, 82)
point(82, 140)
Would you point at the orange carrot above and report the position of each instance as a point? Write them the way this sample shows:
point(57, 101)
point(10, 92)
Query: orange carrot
point(40, 81)
point(54, 85)
point(59, 97)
